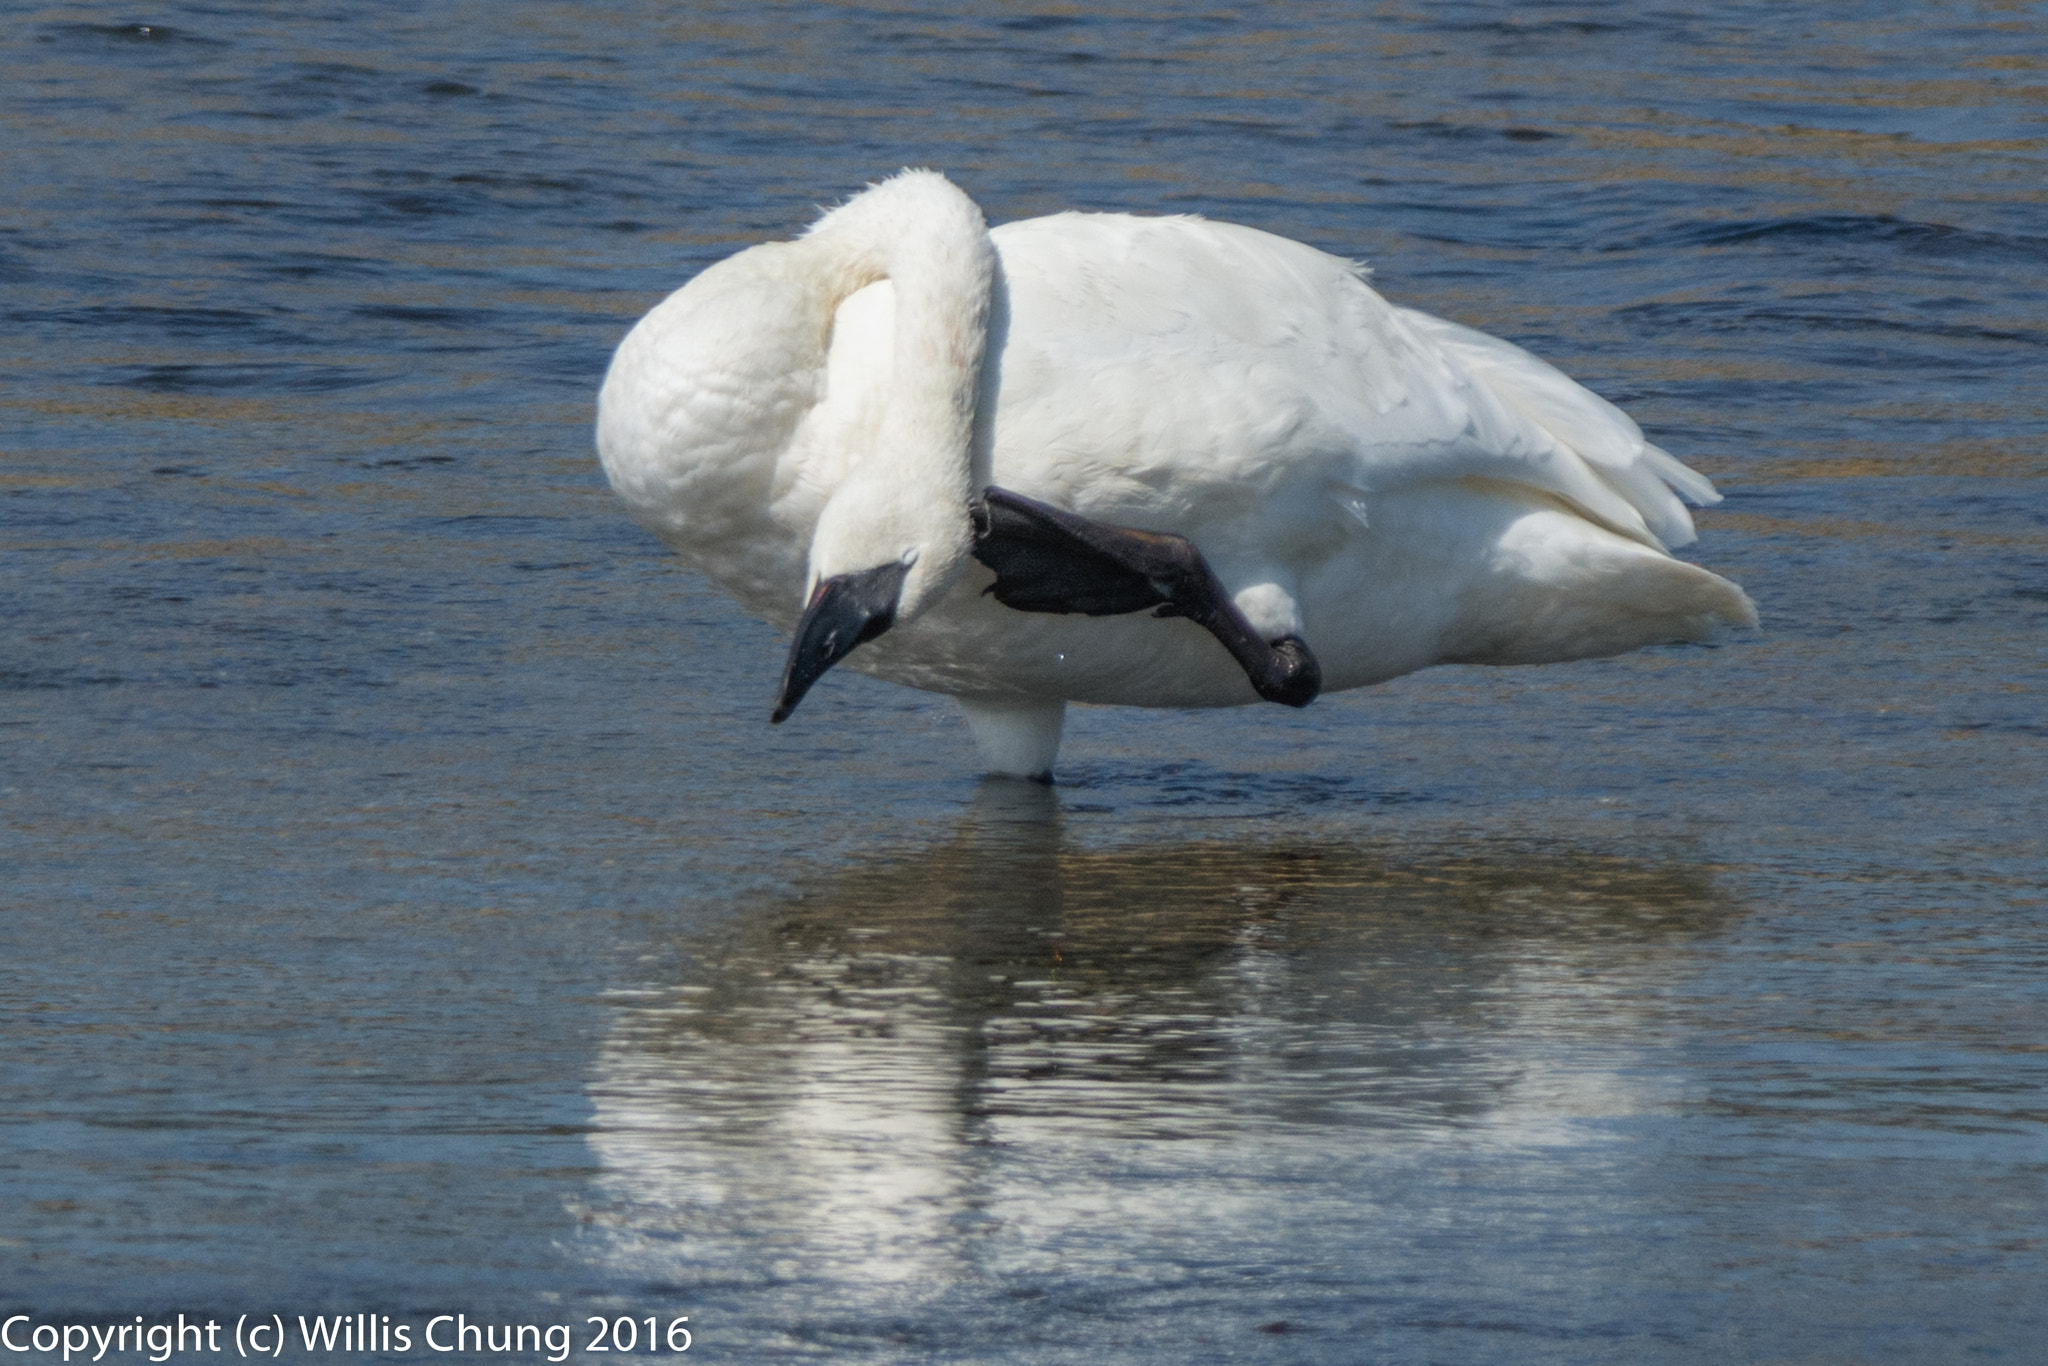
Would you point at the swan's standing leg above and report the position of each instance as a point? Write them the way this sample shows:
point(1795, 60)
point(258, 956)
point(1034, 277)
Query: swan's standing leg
point(1016, 739)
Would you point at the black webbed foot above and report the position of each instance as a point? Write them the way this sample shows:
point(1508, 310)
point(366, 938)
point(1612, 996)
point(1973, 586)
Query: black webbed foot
point(1049, 560)
point(1301, 677)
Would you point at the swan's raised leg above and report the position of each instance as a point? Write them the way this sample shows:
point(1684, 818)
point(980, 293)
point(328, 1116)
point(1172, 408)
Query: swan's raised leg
point(1016, 739)
point(1050, 560)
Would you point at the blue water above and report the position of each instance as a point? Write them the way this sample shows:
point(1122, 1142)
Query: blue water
point(407, 910)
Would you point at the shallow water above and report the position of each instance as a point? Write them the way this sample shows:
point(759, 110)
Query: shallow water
point(409, 912)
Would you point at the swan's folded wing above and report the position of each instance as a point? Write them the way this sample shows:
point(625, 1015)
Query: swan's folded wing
point(1173, 355)
point(1581, 424)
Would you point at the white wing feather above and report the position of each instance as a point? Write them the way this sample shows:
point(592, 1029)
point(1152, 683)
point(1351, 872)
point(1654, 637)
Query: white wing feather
point(1237, 359)
point(1582, 422)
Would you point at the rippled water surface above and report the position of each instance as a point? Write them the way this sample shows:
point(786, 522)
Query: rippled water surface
point(408, 911)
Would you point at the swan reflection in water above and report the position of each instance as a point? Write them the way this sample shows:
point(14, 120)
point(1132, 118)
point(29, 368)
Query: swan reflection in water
point(1018, 1053)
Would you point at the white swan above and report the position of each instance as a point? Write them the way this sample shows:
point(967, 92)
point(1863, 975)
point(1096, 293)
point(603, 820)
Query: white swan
point(903, 420)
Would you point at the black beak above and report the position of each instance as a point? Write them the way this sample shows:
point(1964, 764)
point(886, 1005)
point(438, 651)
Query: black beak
point(845, 610)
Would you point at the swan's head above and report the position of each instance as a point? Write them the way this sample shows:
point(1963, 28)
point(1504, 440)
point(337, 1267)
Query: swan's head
point(882, 554)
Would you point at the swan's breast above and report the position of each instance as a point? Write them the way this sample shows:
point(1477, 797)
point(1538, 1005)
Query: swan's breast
point(705, 393)
point(701, 407)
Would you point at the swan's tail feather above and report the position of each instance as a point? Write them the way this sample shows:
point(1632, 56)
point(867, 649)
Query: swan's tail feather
point(1547, 586)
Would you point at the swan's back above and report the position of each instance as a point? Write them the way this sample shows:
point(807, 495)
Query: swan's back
point(1208, 350)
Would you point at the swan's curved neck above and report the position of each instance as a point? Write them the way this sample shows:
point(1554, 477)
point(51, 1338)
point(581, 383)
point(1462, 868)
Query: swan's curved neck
point(909, 495)
point(919, 231)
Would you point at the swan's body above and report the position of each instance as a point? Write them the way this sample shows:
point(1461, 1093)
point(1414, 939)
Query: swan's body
point(1394, 489)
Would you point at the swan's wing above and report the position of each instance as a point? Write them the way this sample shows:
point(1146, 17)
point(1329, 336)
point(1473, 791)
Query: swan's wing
point(1166, 356)
point(1581, 423)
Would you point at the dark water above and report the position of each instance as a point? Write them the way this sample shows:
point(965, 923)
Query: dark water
point(408, 911)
